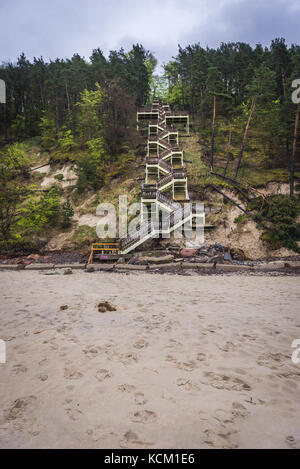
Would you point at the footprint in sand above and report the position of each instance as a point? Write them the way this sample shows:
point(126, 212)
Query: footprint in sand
point(91, 351)
point(212, 328)
point(67, 401)
point(200, 357)
point(139, 399)
point(230, 383)
point(18, 408)
point(131, 441)
point(186, 366)
point(43, 377)
point(170, 358)
point(293, 375)
point(73, 414)
point(19, 369)
point(140, 344)
point(72, 374)
point(43, 362)
point(102, 375)
point(173, 343)
point(127, 388)
point(223, 417)
point(228, 347)
point(139, 319)
point(218, 440)
point(168, 396)
point(250, 337)
point(239, 410)
point(144, 416)
point(187, 385)
point(128, 358)
point(292, 442)
point(62, 329)
point(272, 360)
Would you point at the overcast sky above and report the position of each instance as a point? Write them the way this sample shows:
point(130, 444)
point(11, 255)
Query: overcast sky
point(60, 28)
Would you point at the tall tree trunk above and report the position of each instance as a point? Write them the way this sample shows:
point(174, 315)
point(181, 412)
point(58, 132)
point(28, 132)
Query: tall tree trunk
point(283, 82)
point(213, 136)
point(228, 149)
point(292, 171)
point(5, 111)
point(69, 106)
point(42, 95)
point(288, 155)
point(56, 115)
point(245, 136)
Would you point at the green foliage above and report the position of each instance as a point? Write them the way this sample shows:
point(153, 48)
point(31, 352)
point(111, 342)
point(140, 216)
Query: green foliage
point(159, 88)
point(21, 244)
point(97, 149)
point(42, 211)
point(277, 217)
point(42, 96)
point(67, 214)
point(241, 220)
point(90, 174)
point(90, 168)
point(14, 167)
point(18, 126)
point(48, 131)
point(241, 78)
point(84, 236)
point(14, 161)
point(97, 200)
point(66, 140)
point(90, 112)
point(59, 177)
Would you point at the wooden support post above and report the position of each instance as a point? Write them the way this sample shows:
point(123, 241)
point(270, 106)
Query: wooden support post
point(186, 191)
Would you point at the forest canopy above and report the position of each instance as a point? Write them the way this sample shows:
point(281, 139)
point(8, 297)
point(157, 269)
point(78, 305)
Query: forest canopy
point(239, 98)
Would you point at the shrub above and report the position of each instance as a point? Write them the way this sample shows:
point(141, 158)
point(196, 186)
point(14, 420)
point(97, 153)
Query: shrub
point(67, 213)
point(66, 140)
point(89, 174)
point(241, 220)
point(276, 215)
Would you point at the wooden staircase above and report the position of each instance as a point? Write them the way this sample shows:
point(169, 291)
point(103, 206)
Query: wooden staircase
point(165, 173)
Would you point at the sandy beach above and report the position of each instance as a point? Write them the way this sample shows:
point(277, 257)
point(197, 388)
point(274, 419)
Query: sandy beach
point(183, 362)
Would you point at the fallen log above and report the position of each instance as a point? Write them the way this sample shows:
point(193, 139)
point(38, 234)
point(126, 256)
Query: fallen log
point(233, 182)
point(228, 198)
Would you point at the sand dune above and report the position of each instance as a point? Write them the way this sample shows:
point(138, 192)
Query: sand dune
point(184, 362)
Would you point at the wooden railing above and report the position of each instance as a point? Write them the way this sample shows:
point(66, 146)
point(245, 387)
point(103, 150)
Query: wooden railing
point(151, 191)
point(165, 180)
point(167, 201)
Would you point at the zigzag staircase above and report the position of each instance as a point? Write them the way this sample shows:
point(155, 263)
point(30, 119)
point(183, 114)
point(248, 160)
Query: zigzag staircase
point(165, 173)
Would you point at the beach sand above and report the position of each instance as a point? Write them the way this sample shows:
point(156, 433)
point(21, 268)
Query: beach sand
point(184, 362)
